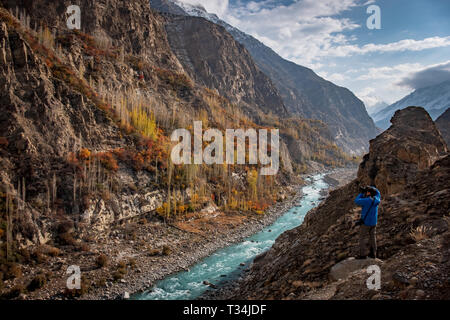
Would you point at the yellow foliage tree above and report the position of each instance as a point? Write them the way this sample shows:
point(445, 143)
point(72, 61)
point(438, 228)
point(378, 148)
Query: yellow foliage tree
point(144, 123)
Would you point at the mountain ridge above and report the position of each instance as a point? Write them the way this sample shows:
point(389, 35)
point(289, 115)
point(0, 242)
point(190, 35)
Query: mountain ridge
point(304, 92)
point(435, 99)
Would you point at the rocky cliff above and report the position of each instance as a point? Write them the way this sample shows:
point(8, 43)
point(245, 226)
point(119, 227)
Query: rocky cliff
point(60, 93)
point(412, 170)
point(213, 58)
point(412, 143)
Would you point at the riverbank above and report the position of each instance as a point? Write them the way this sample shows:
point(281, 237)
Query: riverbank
point(190, 246)
point(139, 254)
point(225, 288)
point(225, 230)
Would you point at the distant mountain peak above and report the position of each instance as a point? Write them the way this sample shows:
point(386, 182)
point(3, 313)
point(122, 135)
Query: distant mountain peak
point(194, 8)
point(435, 99)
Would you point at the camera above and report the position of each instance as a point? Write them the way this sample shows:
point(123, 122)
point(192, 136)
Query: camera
point(366, 189)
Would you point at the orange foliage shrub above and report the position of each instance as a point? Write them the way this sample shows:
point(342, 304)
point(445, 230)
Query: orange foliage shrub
point(108, 161)
point(138, 161)
point(84, 154)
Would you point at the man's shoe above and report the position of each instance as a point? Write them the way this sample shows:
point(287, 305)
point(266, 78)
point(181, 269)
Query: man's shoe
point(372, 255)
point(361, 257)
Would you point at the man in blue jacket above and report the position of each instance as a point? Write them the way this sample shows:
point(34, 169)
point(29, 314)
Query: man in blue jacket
point(369, 198)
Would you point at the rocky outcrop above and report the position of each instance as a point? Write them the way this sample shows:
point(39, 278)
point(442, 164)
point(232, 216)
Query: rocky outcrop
point(412, 143)
point(131, 24)
point(102, 214)
point(443, 124)
point(413, 233)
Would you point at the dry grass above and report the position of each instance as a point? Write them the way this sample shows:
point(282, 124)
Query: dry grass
point(419, 233)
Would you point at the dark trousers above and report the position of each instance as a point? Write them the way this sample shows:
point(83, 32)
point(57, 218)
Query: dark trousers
point(367, 235)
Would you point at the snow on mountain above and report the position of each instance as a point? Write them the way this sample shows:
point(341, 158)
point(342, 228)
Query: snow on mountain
point(182, 8)
point(435, 99)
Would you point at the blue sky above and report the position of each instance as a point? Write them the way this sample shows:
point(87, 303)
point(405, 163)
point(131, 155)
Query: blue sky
point(331, 37)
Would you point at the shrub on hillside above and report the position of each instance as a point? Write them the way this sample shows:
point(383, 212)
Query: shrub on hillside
point(101, 261)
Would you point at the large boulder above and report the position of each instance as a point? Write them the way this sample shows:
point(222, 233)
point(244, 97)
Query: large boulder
point(412, 143)
point(345, 268)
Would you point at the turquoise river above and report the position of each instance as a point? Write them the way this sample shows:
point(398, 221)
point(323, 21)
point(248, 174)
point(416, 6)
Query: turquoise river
point(225, 264)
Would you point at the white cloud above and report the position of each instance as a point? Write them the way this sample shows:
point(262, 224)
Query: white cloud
point(369, 97)
point(307, 31)
point(333, 77)
point(402, 45)
point(393, 82)
point(395, 72)
point(430, 75)
point(301, 31)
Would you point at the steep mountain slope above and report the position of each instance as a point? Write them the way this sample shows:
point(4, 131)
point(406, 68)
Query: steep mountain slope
point(214, 59)
point(377, 108)
point(304, 92)
point(59, 133)
point(443, 124)
point(410, 165)
point(435, 99)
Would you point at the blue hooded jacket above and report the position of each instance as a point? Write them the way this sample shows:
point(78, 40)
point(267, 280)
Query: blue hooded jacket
point(370, 218)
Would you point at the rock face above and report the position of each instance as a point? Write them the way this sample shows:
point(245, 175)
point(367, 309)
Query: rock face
point(41, 129)
point(412, 143)
point(443, 124)
point(144, 33)
point(101, 214)
point(412, 234)
point(45, 117)
point(212, 57)
point(304, 93)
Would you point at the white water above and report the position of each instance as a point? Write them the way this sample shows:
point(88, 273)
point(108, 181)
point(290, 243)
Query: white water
point(224, 264)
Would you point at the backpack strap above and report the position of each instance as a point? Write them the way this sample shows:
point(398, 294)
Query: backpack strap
point(365, 216)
